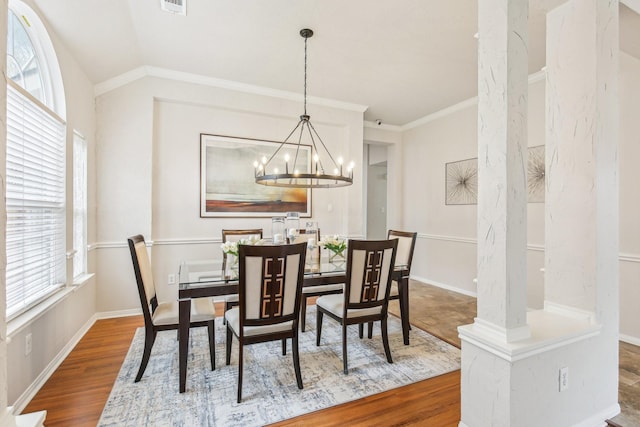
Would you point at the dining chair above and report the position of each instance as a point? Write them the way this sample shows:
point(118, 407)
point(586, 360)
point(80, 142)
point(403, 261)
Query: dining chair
point(235, 236)
point(313, 291)
point(365, 299)
point(162, 316)
point(404, 256)
point(269, 287)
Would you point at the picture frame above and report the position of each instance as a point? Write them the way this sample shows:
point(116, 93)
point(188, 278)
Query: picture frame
point(461, 182)
point(227, 185)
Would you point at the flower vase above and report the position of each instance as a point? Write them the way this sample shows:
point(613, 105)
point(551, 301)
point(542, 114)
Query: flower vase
point(231, 270)
point(336, 257)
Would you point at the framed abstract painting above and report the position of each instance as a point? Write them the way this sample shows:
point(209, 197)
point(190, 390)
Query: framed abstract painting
point(227, 185)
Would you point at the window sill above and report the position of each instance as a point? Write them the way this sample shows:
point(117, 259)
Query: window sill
point(14, 326)
point(82, 280)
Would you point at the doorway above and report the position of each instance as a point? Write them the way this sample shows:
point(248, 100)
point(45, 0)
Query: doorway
point(376, 191)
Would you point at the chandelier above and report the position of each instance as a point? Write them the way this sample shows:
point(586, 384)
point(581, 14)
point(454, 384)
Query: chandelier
point(300, 172)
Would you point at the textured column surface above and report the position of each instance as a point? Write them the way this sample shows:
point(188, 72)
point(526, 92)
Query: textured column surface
point(502, 150)
point(581, 212)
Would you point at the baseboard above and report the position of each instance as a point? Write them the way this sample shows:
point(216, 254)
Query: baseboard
point(444, 286)
point(119, 313)
point(35, 386)
point(593, 421)
point(629, 339)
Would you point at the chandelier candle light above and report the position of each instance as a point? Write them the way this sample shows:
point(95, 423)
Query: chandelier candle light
point(320, 174)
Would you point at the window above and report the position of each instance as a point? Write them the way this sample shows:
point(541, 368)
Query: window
point(35, 168)
point(79, 205)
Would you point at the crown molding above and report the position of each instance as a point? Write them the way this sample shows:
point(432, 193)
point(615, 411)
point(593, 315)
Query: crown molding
point(382, 126)
point(164, 73)
point(533, 78)
point(632, 4)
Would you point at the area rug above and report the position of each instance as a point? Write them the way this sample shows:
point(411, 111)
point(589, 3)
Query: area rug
point(270, 392)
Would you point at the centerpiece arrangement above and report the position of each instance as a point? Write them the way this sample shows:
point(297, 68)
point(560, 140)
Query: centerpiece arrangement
point(231, 248)
point(336, 245)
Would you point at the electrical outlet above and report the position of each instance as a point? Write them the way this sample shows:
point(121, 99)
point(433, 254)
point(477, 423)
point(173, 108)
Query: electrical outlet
point(171, 279)
point(563, 378)
point(27, 345)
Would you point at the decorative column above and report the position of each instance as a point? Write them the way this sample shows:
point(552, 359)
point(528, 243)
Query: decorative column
point(502, 172)
point(486, 389)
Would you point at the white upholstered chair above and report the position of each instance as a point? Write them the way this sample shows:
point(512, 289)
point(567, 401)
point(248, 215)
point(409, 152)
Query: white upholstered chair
point(270, 284)
point(162, 316)
point(235, 236)
point(366, 292)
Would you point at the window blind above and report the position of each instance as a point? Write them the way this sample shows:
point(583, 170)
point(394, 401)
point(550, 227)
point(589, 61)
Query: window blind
point(35, 202)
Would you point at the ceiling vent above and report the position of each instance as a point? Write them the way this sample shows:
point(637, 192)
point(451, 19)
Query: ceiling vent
point(178, 7)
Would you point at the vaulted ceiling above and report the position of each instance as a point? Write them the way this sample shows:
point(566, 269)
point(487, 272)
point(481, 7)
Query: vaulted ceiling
point(402, 59)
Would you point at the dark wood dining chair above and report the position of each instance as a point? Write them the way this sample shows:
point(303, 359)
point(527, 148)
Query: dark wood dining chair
point(404, 256)
point(162, 316)
point(366, 292)
point(269, 288)
point(235, 236)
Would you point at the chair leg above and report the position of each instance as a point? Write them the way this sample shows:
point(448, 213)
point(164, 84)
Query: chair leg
point(227, 306)
point(344, 347)
point(303, 312)
point(229, 340)
point(360, 330)
point(240, 371)
point(212, 343)
point(370, 333)
point(385, 339)
point(319, 315)
point(149, 338)
point(284, 346)
point(296, 361)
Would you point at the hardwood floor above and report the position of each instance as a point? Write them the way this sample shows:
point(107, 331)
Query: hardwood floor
point(77, 391)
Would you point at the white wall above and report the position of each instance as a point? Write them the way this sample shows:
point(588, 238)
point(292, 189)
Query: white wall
point(446, 251)
point(60, 324)
point(149, 147)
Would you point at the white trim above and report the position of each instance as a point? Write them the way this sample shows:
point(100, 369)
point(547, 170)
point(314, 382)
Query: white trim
point(118, 81)
point(171, 242)
point(383, 126)
point(82, 280)
point(164, 73)
point(632, 4)
point(444, 286)
point(598, 419)
point(92, 247)
point(501, 334)
point(32, 419)
point(566, 331)
point(20, 322)
point(629, 339)
point(533, 78)
point(119, 313)
point(627, 257)
point(33, 388)
point(571, 312)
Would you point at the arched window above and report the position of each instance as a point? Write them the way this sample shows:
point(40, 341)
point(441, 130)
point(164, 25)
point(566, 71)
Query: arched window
point(35, 163)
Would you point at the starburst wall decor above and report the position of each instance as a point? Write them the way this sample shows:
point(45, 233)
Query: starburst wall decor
point(461, 179)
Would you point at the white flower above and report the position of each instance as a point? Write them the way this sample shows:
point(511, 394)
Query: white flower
point(232, 247)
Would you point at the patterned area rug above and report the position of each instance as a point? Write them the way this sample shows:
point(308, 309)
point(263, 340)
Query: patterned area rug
point(270, 392)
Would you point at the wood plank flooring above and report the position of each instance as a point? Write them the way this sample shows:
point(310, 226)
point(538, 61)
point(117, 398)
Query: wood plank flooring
point(77, 391)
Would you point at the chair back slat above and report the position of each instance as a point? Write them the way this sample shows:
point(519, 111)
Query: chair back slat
point(237, 235)
point(369, 267)
point(406, 245)
point(270, 283)
point(144, 275)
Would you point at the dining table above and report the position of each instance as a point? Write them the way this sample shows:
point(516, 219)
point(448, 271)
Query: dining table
point(205, 278)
